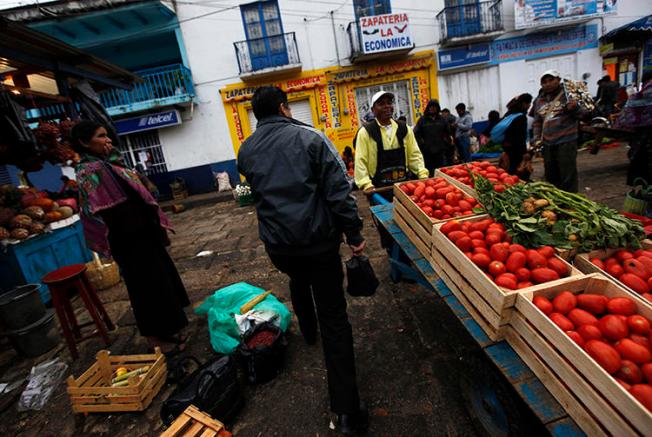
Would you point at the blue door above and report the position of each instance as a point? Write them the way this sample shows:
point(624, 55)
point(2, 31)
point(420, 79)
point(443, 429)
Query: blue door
point(264, 30)
point(462, 17)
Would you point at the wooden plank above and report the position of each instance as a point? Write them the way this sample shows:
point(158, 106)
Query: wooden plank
point(414, 239)
point(92, 370)
point(109, 408)
point(204, 418)
point(604, 383)
point(475, 330)
point(413, 209)
point(154, 391)
point(565, 428)
point(177, 426)
point(572, 406)
point(384, 214)
point(194, 430)
point(410, 249)
point(424, 234)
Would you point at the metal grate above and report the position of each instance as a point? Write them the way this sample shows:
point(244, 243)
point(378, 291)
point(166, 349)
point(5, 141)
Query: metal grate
point(402, 106)
point(144, 148)
point(4, 175)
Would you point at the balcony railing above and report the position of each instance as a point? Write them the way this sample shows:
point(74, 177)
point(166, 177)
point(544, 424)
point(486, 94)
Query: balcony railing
point(271, 52)
point(469, 20)
point(161, 86)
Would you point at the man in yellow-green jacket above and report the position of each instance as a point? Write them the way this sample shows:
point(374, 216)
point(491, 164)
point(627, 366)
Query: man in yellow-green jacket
point(399, 155)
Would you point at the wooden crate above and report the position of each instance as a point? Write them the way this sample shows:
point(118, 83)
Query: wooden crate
point(497, 298)
point(415, 223)
point(193, 422)
point(610, 405)
point(92, 391)
point(584, 264)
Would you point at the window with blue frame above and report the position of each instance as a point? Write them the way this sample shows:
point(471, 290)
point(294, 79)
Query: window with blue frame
point(264, 31)
point(462, 17)
point(367, 8)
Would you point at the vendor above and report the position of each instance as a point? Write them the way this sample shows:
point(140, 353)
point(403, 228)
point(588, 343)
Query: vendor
point(122, 219)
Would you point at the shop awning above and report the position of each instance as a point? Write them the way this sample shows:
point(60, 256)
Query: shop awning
point(640, 27)
point(28, 51)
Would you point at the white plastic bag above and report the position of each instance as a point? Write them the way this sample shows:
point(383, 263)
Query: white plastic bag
point(43, 379)
point(223, 182)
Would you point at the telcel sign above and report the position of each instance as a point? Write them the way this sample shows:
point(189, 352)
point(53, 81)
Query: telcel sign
point(147, 122)
point(384, 33)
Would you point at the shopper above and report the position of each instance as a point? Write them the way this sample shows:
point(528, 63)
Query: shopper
point(304, 204)
point(492, 120)
point(515, 143)
point(607, 95)
point(555, 129)
point(122, 219)
point(463, 128)
point(433, 133)
point(386, 151)
point(449, 155)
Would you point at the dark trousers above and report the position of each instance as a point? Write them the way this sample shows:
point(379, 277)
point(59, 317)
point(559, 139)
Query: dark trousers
point(560, 165)
point(320, 277)
point(433, 161)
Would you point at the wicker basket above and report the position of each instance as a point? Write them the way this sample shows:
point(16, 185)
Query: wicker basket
point(102, 275)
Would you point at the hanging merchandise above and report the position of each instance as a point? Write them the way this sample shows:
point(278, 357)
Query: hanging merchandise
point(17, 143)
point(579, 92)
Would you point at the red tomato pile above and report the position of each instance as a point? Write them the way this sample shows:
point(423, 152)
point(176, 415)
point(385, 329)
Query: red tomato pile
point(512, 266)
point(439, 199)
point(611, 332)
point(497, 176)
point(634, 269)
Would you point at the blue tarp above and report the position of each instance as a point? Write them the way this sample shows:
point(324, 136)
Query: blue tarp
point(485, 155)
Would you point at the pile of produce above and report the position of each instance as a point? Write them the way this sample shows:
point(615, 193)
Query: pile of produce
point(611, 332)
point(491, 147)
point(54, 140)
point(439, 199)
point(539, 214)
point(633, 269)
point(511, 266)
point(27, 211)
point(465, 173)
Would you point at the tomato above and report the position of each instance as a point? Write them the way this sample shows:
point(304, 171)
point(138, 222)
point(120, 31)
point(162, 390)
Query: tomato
point(615, 270)
point(451, 199)
point(642, 340)
point(481, 225)
point(546, 251)
point(476, 235)
point(535, 260)
point(482, 260)
point(633, 351)
point(589, 332)
point(643, 394)
point(646, 369)
point(479, 243)
point(646, 261)
point(419, 190)
point(499, 252)
point(499, 188)
point(441, 193)
point(559, 266)
point(542, 275)
point(624, 384)
point(630, 372)
point(497, 226)
point(564, 302)
point(621, 305)
point(493, 238)
point(447, 209)
point(634, 282)
point(638, 324)
point(623, 254)
point(580, 317)
point(562, 321)
point(543, 304)
point(506, 281)
point(523, 274)
point(437, 214)
point(456, 235)
point(610, 261)
point(613, 327)
point(525, 284)
point(464, 205)
point(450, 226)
point(429, 192)
point(517, 248)
point(427, 210)
point(635, 267)
point(516, 261)
point(464, 244)
point(594, 303)
point(598, 263)
point(496, 268)
point(481, 250)
point(576, 338)
point(605, 355)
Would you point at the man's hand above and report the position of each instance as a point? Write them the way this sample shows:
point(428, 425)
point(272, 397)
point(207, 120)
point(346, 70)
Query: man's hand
point(369, 191)
point(357, 250)
point(571, 105)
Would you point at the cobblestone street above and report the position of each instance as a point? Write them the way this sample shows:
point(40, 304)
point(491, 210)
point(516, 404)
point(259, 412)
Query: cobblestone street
point(411, 351)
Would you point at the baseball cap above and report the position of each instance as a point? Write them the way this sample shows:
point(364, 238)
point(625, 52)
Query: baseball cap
point(553, 73)
point(380, 94)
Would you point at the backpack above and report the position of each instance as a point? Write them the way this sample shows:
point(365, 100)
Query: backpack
point(498, 131)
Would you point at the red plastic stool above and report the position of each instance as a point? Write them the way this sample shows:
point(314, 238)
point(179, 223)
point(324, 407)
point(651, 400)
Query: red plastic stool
point(60, 283)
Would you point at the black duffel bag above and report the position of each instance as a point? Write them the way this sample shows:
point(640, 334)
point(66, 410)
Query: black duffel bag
point(214, 388)
point(262, 363)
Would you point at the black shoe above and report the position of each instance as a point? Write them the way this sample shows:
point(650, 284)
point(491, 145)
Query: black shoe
point(356, 423)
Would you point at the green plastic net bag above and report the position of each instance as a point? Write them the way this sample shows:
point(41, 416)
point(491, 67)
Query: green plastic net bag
point(225, 302)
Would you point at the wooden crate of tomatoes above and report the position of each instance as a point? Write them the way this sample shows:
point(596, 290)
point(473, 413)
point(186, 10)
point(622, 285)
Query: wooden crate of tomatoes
point(588, 340)
point(631, 268)
point(476, 256)
point(419, 205)
point(460, 176)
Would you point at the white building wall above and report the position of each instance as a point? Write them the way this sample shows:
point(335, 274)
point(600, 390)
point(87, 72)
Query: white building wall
point(209, 30)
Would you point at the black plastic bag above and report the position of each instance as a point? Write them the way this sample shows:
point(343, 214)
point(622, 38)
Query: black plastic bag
point(360, 277)
point(213, 388)
point(263, 363)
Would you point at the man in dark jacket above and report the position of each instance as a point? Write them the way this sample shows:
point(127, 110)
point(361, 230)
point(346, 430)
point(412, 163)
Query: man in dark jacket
point(433, 134)
point(304, 204)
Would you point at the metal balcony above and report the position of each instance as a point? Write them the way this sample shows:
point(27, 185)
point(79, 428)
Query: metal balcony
point(267, 56)
point(474, 21)
point(357, 50)
point(160, 86)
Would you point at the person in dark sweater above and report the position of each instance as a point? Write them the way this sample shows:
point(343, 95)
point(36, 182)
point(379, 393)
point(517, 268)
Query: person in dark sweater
point(515, 144)
point(433, 134)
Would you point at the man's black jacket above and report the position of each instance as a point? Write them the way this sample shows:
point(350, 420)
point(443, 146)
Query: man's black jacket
point(300, 188)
